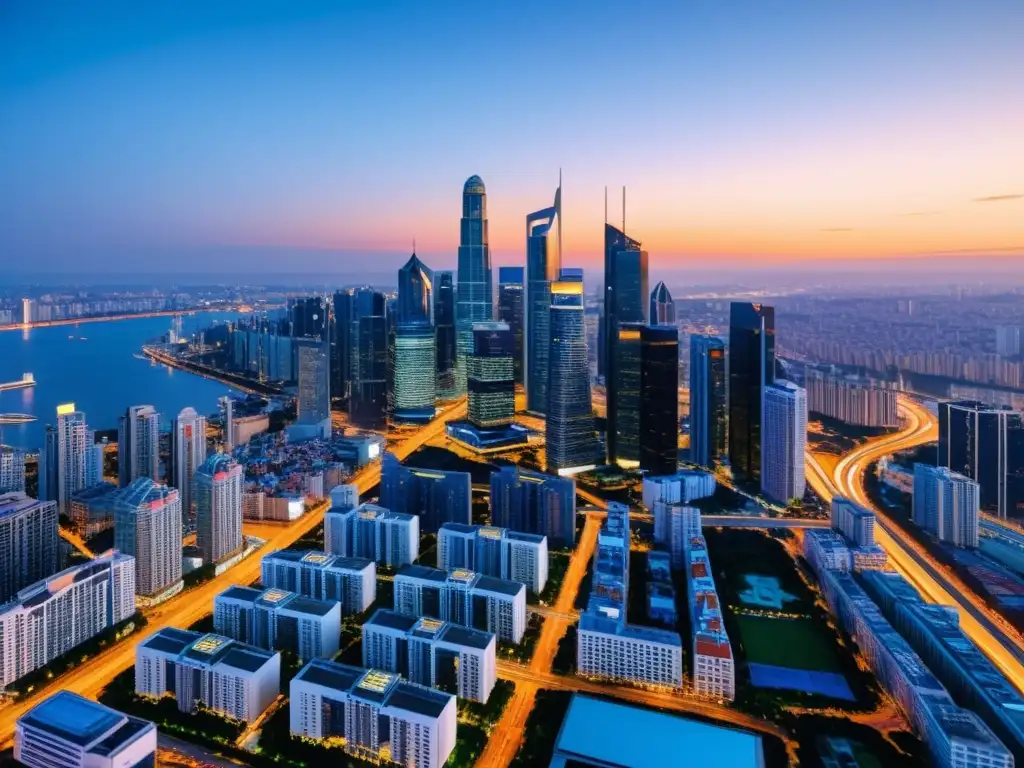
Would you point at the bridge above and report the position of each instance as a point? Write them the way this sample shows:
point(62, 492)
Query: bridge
point(761, 521)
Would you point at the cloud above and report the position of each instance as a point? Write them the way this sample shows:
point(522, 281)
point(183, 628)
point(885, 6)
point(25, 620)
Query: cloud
point(999, 198)
point(838, 229)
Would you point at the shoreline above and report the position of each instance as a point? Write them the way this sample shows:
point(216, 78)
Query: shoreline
point(197, 369)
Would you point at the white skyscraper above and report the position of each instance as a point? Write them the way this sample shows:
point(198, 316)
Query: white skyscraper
point(138, 438)
point(218, 499)
point(784, 440)
point(946, 505)
point(147, 526)
point(188, 451)
point(29, 543)
point(73, 438)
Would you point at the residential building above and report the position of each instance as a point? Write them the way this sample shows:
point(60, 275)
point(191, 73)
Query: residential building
point(57, 614)
point(946, 505)
point(66, 730)
point(751, 371)
point(849, 399)
point(147, 526)
point(474, 302)
point(675, 524)
point(497, 552)
point(218, 484)
point(49, 465)
point(344, 497)
point(827, 550)
point(444, 327)
point(188, 452)
point(606, 645)
point(278, 620)
point(374, 533)
point(29, 542)
point(510, 311)
point(435, 496)
point(437, 654)
point(375, 715)
point(73, 440)
point(231, 678)
point(464, 598)
point(784, 442)
point(854, 521)
point(543, 264)
point(709, 402)
point(12, 470)
point(532, 502)
point(138, 440)
point(714, 670)
point(659, 399)
point(682, 487)
point(92, 510)
point(351, 581)
point(1008, 340)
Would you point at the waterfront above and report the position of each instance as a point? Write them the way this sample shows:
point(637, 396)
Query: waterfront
point(94, 365)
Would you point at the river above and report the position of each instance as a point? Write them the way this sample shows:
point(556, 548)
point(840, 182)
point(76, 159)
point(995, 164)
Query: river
point(93, 365)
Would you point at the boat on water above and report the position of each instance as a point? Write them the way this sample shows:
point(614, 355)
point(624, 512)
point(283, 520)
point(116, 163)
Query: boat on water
point(16, 418)
point(26, 380)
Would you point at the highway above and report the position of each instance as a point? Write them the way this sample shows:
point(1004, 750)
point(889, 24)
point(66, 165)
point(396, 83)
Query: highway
point(1000, 642)
point(90, 678)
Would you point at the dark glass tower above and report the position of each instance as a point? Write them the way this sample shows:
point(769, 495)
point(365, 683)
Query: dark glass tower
point(569, 419)
point(369, 390)
point(342, 320)
point(709, 407)
point(436, 497)
point(615, 240)
point(444, 328)
point(543, 264)
point(624, 432)
point(510, 310)
point(415, 292)
point(663, 309)
point(629, 306)
point(308, 317)
point(751, 369)
point(474, 303)
point(490, 385)
point(530, 502)
point(659, 399)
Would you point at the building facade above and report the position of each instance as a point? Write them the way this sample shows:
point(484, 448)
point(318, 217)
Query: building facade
point(784, 441)
point(490, 375)
point(138, 445)
point(29, 542)
point(218, 484)
point(714, 670)
point(374, 533)
point(444, 327)
point(73, 440)
point(435, 496)
point(675, 525)
point(474, 300)
point(532, 502)
point(659, 399)
point(751, 371)
point(684, 486)
point(510, 311)
point(368, 403)
point(414, 390)
point(147, 526)
point(709, 402)
point(188, 452)
point(663, 308)
point(351, 581)
point(946, 505)
point(497, 552)
point(12, 470)
point(850, 400)
point(543, 265)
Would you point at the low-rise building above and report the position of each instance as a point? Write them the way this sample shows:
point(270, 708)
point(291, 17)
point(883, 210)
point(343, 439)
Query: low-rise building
point(714, 670)
point(375, 715)
point(234, 679)
point(683, 487)
point(373, 532)
point(496, 552)
point(277, 620)
point(434, 653)
point(351, 581)
point(661, 592)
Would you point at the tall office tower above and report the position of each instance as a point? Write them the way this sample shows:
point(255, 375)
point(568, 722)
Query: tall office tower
point(429, 652)
point(374, 715)
point(233, 679)
point(751, 370)
point(543, 267)
point(659, 399)
point(663, 308)
point(534, 503)
point(314, 390)
point(49, 465)
point(342, 319)
point(474, 303)
point(854, 521)
point(227, 414)
point(414, 379)
point(497, 552)
point(435, 496)
point(84, 733)
point(138, 441)
point(60, 612)
point(784, 441)
point(368, 406)
point(709, 402)
point(147, 526)
point(631, 298)
point(510, 310)
point(218, 500)
point(12, 470)
point(444, 331)
point(615, 241)
point(946, 505)
point(1008, 340)
point(569, 418)
point(415, 292)
point(372, 532)
point(73, 439)
point(351, 581)
point(308, 317)
point(277, 620)
point(188, 451)
point(490, 375)
point(29, 542)
point(986, 444)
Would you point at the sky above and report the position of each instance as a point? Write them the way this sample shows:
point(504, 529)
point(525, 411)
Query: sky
point(190, 137)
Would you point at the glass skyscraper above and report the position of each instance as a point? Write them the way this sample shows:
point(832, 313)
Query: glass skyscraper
point(659, 399)
point(624, 432)
point(751, 369)
point(415, 292)
point(615, 240)
point(474, 302)
point(543, 264)
point(342, 336)
point(414, 386)
point(663, 309)
point(510, 310)
point(435, 496)
point(490, 384)
point(444, 327)
point(530, 502)
point(571, 444)
point(368, 406)
point(709, 407)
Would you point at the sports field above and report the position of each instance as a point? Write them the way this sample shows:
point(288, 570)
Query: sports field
point(791, 643)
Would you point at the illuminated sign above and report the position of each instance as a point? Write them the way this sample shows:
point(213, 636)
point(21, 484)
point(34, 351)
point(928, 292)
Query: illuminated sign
point(461, 574)
point(64, 410)
point(373, 451)
point(429, 625)
point(208, 644)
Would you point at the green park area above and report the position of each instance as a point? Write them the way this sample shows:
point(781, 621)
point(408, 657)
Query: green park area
point(790, 643)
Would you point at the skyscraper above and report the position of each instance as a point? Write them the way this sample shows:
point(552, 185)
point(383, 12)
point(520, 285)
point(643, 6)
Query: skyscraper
point(946, 505)
point(490, 383)
point(663, 309)
point(659, 399)
point(73, 439)
point(615, 240)
point(543, 265)
point(444, 327)
point(12, 470)
point(571, 444)
point(414, 376)
point(368, 405)
point(147, 526)
point(308, 317)
point(986, 444)
point(314, 390)
point(29, 542)
point(474, 300)
point(342, 321)
point(510, 310)
point(624, 381)
point(784, 441)
point(436, 497)
point(534, 503)
point(49, 465)
point(751, 369)
point(415, 292)
point(218, 500)
point(138, 437)
point(709, 406)
point(188, 451)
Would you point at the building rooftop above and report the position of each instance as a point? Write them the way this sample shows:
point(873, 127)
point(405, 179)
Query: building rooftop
point(73, 718)
point(383, 617)
point(381, 688)
point(416, 571)
point(16, 502)
point(316, 559)
point(248, 594)
point(500, 586)
point(207, 649)
point(471, 638)
point(145, 492)
point(41, 591)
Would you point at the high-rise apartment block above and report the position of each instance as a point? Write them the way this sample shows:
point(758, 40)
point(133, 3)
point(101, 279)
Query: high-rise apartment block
point(682, 487)
point(437, 654)
point(345, 496)
point(218, 485)
point(675, 524)
point(12, 470)
point(278, 620)
point(147, 526)
point(138, 442)
point(73, 441)
point(313, 360)
point(1008, 340)
point(435, 496)
point(497, 552)
point(784, 441)
point(351, 581)
point(464, 598)
point(231, 678)
point(374, 533)
point(714, 670)
point(851, 400)
point(375, 715)
point(751, 371)
point(946, 505)
point(709, 402)
point(532, 502)
point(854, 521)
point(29, 542)
point(188, 452)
